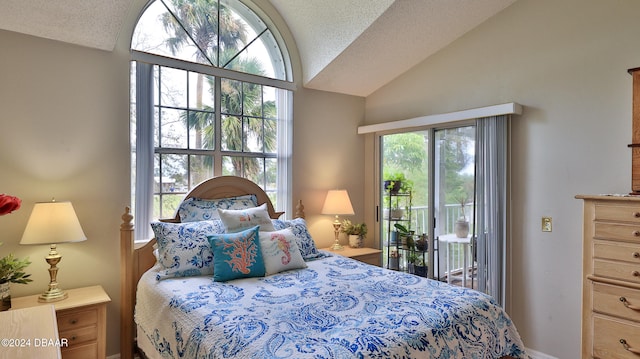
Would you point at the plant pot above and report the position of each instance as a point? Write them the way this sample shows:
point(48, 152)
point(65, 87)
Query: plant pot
point(462, 229)
point(394, 263)
point(420, 270)
point(396, 213)
point(5, 297)
point(393, 189)
point(355, 241)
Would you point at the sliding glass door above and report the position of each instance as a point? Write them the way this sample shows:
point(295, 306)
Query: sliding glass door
point(435, 204)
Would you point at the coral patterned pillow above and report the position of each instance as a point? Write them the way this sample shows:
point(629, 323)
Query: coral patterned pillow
point(237, 220)
point(237, 255)
point(280, 251)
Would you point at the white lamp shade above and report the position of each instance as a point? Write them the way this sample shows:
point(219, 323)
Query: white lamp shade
point(53, 222)
point(337, 202)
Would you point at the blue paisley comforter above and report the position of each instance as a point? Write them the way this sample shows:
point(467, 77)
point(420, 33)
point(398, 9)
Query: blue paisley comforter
point(335, 308)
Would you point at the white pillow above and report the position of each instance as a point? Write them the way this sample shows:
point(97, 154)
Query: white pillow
point(237, 220)
point(280, 251)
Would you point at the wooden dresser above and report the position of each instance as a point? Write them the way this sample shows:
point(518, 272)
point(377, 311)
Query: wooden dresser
point(611, 277)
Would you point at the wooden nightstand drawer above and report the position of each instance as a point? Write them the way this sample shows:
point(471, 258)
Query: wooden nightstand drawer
point(621, 212)
point(71, 319)
point(366, 255)
point(81, 335)
point(608, 334)
point(617, 301)
point(89, 350)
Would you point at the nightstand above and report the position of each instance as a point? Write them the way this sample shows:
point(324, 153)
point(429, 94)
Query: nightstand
point(366, 255)
point(82, 320)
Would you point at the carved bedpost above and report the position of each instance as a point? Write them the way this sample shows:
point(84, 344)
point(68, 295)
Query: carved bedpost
point(126, 286)
point(300, 210)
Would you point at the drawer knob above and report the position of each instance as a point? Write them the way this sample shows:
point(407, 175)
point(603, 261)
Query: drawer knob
point(629, 305)
point(635, 273)
point(636, 255)
point(73, 321)
point(629, 348)
point(636, 233)
point(636, 214)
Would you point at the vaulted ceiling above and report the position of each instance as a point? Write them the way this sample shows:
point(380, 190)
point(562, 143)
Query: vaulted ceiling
point(346, 46)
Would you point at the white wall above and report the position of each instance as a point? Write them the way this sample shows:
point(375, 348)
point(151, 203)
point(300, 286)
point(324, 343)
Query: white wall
point(566, 61)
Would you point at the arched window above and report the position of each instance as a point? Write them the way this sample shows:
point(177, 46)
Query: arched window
point(212, 95)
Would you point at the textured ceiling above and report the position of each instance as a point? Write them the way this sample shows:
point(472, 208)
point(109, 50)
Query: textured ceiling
point(91, 23)
point(346, 46)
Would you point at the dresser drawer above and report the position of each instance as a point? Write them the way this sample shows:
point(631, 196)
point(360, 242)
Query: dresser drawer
point(620, 212)
point(69, 319)
point(628, 272)
point(623, 232)
point(607, 334)
point(617, 251)
point(617, 301)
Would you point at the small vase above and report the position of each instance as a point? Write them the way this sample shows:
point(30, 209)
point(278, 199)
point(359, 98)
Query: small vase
point(355, 241)
point(5, 297)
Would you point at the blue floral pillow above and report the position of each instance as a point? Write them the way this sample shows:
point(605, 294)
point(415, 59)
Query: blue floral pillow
point(237, 255)
point(303, 238)
point(198, 209)
point(183, 248)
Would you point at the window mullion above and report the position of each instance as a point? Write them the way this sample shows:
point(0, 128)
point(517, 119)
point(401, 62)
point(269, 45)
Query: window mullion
point(217, 153)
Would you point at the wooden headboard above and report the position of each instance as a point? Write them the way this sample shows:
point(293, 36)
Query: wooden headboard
point(137, 258)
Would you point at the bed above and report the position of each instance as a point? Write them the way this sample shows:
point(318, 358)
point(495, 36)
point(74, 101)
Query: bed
point(318, 305)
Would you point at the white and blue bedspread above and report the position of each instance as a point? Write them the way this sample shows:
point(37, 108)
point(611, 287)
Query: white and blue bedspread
point(335, 308)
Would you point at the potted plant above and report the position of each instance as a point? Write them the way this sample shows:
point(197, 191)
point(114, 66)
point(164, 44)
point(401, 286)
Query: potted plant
point(11, 268)
point(462, 224)
point(404, 234)
point(356, 232)
point(396, 182)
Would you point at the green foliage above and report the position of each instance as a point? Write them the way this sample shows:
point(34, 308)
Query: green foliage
point(349, 228)
point(12, 270)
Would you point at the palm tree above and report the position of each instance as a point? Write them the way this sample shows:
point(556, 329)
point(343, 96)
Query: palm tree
point(217, 36)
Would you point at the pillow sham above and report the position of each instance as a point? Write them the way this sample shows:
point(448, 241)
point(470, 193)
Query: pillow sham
point(280, 251)
point(303, 238)
point(183, 248)
point(237, 220)
point(199, 209)
point(237, 255)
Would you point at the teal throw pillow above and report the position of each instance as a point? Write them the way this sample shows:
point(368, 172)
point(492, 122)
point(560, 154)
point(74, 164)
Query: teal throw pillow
point(237, 255)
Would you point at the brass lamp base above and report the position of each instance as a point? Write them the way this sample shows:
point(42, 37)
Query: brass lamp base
point(336, 228)
point(53, 293)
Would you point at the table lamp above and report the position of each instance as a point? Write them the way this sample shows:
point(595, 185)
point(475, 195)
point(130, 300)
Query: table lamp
point(337, 203)
point(53, 223)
